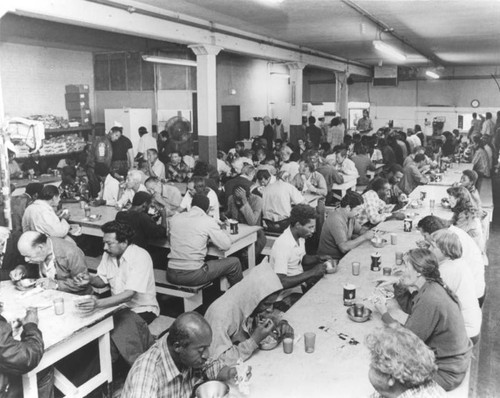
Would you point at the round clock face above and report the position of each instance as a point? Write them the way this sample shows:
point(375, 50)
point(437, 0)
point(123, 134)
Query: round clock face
point(474, 103)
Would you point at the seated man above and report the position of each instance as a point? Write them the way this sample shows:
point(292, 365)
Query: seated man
point(109, 186)
point(197, 185)
point(20, 357)
point(412, 177)
point(154, 167)
point(143, 224)
point(341, 231)
point(263, 178)
point(401, 364)
point(396, 196)
point(277, 201)
point(165, 195)
point(189, 236)
point(309, 180)
point(133, 184)
point(59, 262)
point(176, 363)
point(288, 256)
point(344, 165)
point(11, 257)
point(177, 170)
point(245, 179)
point(14, 169)
point(375, 209)
point(128, 269)
point(240, 318)
point(247, 209)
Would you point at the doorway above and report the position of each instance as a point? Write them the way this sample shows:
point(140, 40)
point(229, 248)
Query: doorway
point(229, 131)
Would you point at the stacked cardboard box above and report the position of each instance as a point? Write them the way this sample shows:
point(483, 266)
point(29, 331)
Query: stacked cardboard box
point(77, 103)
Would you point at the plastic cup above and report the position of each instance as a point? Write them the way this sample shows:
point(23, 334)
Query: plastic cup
point(309, 342)
point(233, 227)
point(288, 345)
point(394, 239)
point(87, 211)
point(359, 309)
point(349, 294)
point(432, 204)
point(59, 306)
point(356, 268)
point(399, 258)
point(387, 271)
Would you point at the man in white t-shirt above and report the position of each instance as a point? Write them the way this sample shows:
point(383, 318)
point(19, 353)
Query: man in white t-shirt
point(147, 141)
point(128, 270)
point(288, 256)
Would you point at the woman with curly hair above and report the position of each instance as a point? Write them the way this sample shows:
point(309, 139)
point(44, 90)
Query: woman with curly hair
point(433, 315)
point(401, 364)
point(465, 214)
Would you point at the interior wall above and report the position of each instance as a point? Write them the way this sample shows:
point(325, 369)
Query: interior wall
point(412, 101)
point(34, 78)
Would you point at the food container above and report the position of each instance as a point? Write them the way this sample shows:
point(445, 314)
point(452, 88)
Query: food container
point(211, 389)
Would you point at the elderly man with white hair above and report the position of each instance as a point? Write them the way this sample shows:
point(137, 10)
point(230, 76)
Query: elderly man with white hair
point(133, 184)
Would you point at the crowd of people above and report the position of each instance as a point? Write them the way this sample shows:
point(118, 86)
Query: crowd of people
point(270, 185)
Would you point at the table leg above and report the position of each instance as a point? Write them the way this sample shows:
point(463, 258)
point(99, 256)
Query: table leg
point(251, 256)
point(105, 357)
point(30, 385)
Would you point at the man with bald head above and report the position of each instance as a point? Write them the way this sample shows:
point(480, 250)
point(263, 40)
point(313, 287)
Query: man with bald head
point(58, 260)
point(177, 362)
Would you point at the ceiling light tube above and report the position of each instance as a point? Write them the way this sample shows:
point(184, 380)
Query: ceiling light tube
point(170, 61)
point(389, 50)
point(282, 75)
point(432, 74)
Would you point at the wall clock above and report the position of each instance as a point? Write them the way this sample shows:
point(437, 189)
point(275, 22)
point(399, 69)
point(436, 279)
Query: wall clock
point(474, 103)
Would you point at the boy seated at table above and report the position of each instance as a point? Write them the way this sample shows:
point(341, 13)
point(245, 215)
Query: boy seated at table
point(243, 318)
point(288, 256)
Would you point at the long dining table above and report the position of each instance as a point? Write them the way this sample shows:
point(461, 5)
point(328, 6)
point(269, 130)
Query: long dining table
point(244, 239)
point(62, 335)
point(339, 365)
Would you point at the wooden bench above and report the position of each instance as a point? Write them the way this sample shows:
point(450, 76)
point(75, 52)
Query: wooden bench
point(191, 295)
point(160, 326)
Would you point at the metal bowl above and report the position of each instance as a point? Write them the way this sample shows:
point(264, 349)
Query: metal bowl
point(25, 284)
point(378, 242)
point(367, 313)
point(211, 389)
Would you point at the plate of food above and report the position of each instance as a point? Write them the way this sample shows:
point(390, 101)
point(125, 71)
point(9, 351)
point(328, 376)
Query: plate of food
point(445, 203)
point(75, 230)
point(25, 284)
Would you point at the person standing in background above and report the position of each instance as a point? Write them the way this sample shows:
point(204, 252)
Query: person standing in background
point(122, 158)
point(268, 133)
point(365, 125)
point(146, 142)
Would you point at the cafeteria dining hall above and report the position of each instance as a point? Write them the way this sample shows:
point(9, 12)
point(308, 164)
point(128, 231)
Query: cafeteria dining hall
point(249, 198)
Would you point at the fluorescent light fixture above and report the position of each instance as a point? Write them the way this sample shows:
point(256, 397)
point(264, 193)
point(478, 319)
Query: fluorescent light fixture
point(272, 1)
point(282, 75)
point(170, 61)
point(432, 74)
point(389, 50)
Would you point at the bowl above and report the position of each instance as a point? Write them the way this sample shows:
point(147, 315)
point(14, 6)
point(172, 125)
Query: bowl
point(25, 284)
point(269, 343)
point(211, 389)
point(366, 315)
point(378, 242)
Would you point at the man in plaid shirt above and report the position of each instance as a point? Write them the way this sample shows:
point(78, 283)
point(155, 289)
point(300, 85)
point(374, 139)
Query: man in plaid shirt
point(375, 209)
point(177, 362)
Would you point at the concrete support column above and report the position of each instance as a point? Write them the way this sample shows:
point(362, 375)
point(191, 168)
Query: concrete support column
point(342, 95)
point(206, 82)
point(296, 88)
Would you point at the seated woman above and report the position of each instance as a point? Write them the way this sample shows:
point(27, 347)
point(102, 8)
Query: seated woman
point(401, 364)
point(243, 317)
point(433, 315)
point(458, 277)
point(465, 214)
point(309, 180)
point(40, 216)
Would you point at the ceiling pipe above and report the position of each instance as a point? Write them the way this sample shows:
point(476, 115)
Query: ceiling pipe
point(389, 30)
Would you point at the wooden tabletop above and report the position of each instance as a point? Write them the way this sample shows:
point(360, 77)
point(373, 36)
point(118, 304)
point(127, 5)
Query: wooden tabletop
point(43, 179)
point(55, 328)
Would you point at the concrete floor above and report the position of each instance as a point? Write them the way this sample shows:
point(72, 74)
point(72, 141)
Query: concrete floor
point(485, 370)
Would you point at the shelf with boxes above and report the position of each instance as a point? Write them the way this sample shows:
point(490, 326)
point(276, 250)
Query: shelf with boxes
point(78, 104)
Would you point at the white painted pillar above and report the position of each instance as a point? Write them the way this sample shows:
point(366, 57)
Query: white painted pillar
point(296, 93)
point(206, 83)
point(342, 95)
